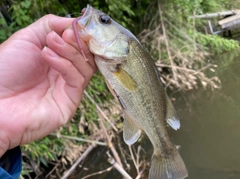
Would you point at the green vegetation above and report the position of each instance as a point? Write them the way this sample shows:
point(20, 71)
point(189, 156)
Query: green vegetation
point(178, 43)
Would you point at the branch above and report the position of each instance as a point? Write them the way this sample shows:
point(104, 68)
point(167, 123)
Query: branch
point(82, 157)
point(118, 167)
point(101, 111)
point(99, 172)
point(133, 159)
point(167, 45)
point(80, 139)
point(110, 145)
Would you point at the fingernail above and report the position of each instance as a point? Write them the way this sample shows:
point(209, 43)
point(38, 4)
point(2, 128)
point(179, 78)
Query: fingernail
point(58, 39)
point(50, 52)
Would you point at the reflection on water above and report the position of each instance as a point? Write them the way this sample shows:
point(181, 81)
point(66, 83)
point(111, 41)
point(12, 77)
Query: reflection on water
point(210, 129)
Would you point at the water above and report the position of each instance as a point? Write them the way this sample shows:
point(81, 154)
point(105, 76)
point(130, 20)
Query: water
point(210, 129)
point(210, 133)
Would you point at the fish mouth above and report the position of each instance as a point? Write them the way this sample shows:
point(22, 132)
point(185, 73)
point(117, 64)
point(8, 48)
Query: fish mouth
point(87, 13)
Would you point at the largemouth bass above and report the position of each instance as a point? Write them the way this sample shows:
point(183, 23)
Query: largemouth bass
point(132, 77)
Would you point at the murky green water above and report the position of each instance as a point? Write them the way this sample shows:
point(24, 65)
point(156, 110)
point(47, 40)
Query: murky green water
point(210, 133)
point(210, 129)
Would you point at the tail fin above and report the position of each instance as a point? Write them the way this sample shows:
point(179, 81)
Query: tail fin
point(168, 167)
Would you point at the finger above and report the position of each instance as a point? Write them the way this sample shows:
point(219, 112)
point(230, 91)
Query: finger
point(59, 24)
point(67, 51)
point(69, 37)
point(37, 31)
point(75, 81)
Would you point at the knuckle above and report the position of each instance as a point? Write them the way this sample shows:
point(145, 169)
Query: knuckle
point(69, 65)
point(49, 16)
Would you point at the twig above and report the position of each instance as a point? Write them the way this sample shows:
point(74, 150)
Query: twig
point(38, 175)
point(110, 145)
point(54, 168)
point(133, 159)
point(140, 174)
point(100, 110)
point(82, 157)
point(185, 69)
point(122, 153)
point(183, 34)
point(194, 31)
point(81, 139)
point(138, 156)
point(112, 161)
point(167, 45)
point(99, 172)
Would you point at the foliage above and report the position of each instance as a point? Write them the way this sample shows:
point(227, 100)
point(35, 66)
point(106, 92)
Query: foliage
point(217, 43)
point(44, 150)
point(180, 44)
point(21, 13)
point(18, 14)
point(177, 42)
point(25, 12)
point(81, 125)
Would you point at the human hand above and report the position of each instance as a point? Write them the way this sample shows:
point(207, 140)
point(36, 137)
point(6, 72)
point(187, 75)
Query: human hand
point(40, 87)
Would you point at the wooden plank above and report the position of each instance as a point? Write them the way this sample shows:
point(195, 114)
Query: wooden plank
point(230, 21)
point(232, 24)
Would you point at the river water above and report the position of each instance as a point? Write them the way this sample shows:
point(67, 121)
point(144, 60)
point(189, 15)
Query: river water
point(210, 129)
point(210, 132)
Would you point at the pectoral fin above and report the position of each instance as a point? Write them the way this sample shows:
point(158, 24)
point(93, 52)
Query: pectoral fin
point(125, 79)
point(110, 88)
point(115, 95)
point(131, 132)
point(172, 118)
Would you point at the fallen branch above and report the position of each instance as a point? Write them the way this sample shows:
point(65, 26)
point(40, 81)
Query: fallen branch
point(54, 168)
point(82, 157)
point(98, 173)
point(133, 159)
point(140, 174)
point(80, 139)
point(109, 142)
point(112, 161)
point(186, 69)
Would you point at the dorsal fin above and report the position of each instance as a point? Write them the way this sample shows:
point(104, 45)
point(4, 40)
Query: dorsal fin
point(171, 117)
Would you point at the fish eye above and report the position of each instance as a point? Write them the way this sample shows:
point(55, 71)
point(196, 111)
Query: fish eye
point(105, 19)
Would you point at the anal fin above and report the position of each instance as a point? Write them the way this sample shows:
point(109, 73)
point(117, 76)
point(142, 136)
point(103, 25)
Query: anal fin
point(172, 118)
point(131, 132)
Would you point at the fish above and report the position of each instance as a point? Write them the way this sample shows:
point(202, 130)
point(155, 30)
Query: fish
point(134, 80)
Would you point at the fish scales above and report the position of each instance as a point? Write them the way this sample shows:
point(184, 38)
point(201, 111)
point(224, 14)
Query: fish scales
point(132, 77)
point(147, 103)
point(148, 100)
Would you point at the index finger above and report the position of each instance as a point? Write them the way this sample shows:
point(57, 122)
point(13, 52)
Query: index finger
point(37, 31)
